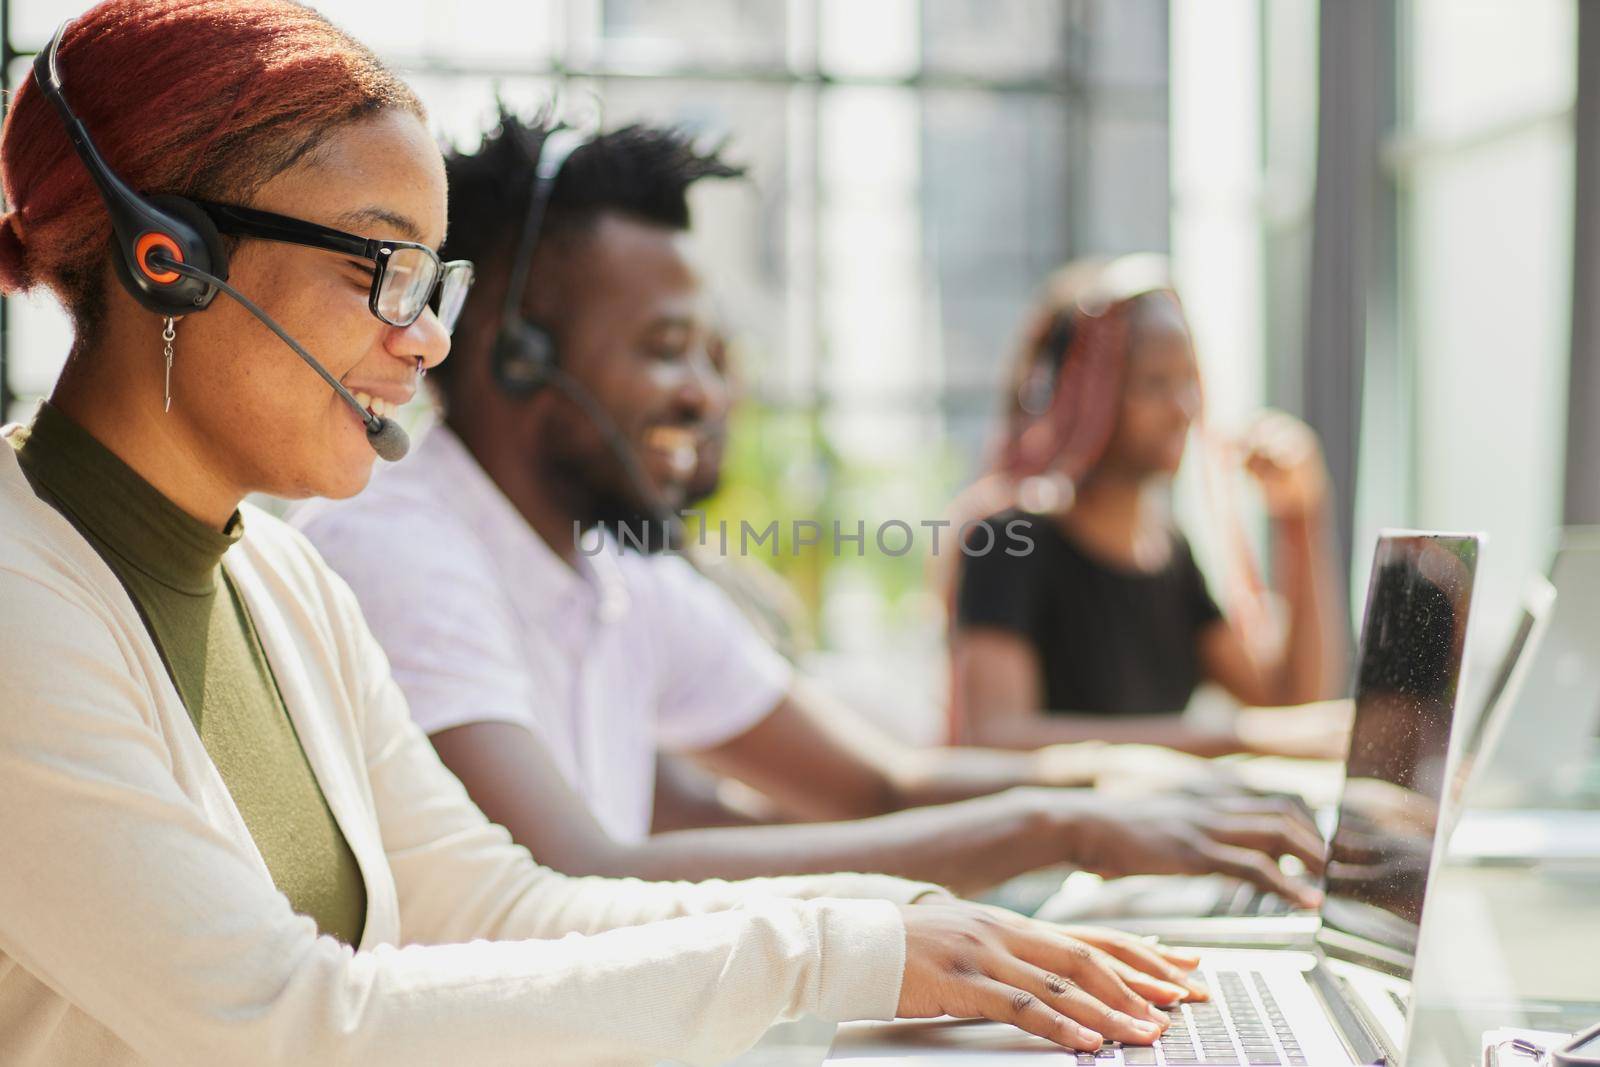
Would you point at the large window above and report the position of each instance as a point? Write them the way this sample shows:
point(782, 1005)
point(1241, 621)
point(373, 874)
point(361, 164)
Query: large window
point(917, 166)
point(916, 169)
point(1467, 431)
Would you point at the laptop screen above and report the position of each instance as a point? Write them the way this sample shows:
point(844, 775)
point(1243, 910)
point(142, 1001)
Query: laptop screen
point(1474, 725)
point(1500, 683)
point(1542, 751)
point(1407, 674)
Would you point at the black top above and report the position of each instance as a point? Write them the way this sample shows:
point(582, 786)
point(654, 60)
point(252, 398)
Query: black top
point(1110, 641)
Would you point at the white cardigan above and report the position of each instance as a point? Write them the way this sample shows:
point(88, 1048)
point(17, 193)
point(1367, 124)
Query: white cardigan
point(139, 924)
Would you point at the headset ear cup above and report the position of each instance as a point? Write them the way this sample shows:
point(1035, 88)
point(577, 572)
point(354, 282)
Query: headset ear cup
point(524, 354)
point(181, 222)
point(188, 211)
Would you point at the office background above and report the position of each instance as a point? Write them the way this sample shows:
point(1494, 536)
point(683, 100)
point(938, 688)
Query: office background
point(1379, 212)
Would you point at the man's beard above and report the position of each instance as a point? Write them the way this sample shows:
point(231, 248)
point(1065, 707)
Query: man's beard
point(605, 501)
point(630, 524)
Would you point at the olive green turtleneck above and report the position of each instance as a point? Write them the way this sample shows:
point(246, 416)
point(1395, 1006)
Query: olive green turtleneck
point(171, 565)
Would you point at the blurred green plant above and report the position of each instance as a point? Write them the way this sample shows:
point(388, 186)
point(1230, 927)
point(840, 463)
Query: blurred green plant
point(781, 467)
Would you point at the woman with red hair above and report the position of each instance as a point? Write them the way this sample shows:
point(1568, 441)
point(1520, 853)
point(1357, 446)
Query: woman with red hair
point(1104, 627)
point(224, 840)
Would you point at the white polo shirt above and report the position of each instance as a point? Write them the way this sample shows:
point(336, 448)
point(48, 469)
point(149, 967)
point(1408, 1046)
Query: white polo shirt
point(483, 622)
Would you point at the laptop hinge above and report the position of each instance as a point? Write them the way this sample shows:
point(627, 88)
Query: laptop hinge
point(1358, 1039)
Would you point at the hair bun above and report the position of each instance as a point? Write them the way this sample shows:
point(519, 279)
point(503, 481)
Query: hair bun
point(14, 273)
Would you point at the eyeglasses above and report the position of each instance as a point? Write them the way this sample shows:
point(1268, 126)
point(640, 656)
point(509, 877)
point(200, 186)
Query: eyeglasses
point(406, 277)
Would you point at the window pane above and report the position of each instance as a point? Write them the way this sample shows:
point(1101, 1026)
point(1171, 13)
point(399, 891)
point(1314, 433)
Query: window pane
point(999, 175)
point(1486, 297)
point(457, 31)
point(1465, 75)
point(1490, 324)
point(986, 38)
point(667, 33)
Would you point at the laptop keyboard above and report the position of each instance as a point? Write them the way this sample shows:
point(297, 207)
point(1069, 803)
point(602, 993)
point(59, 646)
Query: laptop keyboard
point(1233, 1029)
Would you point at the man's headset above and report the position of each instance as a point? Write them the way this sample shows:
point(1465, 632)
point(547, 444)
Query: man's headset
point(170, 257)
point(525, 353)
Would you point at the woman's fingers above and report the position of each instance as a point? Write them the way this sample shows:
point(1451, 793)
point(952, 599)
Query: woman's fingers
point(1184, 959)
point(1148, 959)
point(1093, 971)
point(1146, 970)
point(974, 962)
point(1101, 976)
point(1024, 1009)
point(1145, 978)
point(1160, 993)
point(1076, 1003)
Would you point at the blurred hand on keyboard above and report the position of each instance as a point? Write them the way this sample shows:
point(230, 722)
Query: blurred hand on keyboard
point(1241, 837)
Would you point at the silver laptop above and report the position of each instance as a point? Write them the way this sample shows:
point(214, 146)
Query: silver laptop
point(1541, 745)
point(1167, 905)
point(1343, 999)
point(1515, 906)
point(1532, 790)
point(1473, 719)
point(1474, 722)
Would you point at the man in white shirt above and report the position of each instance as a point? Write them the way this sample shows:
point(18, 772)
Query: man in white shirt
point(548, 675)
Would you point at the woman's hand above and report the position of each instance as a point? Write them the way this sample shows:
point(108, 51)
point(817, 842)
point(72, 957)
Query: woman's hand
point(1157, 972)
point(1285, 456)
point(1168, 969)
point(973, 962)
point(1171, 835)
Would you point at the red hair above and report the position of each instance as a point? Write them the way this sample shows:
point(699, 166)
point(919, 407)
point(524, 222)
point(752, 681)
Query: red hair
point(1073, 432)
point(206, 98)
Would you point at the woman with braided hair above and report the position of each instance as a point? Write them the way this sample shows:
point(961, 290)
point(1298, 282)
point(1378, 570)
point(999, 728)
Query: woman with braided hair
point(1104, 630)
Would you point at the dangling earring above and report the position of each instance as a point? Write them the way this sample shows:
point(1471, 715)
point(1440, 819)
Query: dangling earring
point(167, 336)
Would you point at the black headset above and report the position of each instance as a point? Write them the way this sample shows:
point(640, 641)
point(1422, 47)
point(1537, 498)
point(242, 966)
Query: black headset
point(143, 226)
point(525, 352)
point(171, 258)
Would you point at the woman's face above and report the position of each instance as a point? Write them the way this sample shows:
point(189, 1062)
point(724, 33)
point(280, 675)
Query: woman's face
point(274, 423)
point(1160, 394)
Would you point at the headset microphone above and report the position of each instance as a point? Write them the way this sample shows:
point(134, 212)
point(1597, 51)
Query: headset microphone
point(385, 436)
